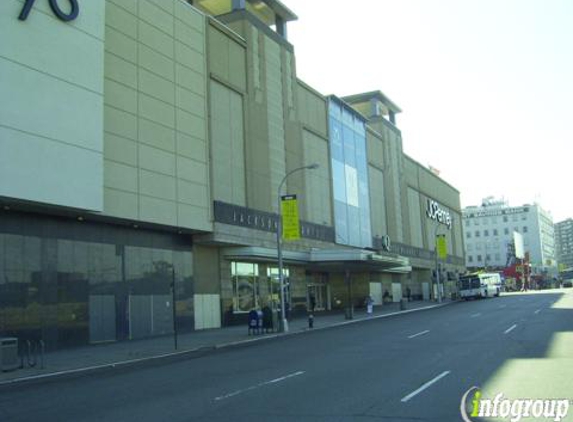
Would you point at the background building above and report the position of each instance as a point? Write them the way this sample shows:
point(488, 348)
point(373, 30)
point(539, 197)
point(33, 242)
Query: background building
point(142, 149)
point(488, 229)
point(564, 243)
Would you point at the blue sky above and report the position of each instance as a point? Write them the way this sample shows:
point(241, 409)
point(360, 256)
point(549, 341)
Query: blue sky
point(486, 86)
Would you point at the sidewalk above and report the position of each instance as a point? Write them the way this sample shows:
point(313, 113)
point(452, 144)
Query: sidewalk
point(83, 360)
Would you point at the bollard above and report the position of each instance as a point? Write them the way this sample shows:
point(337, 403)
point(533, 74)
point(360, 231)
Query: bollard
point(402, 304)
point(310, 321)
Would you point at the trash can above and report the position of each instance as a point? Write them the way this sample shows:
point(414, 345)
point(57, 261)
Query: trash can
point(349, 313)
point(9, 354)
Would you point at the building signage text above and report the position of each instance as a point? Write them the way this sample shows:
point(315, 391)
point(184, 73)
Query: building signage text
point(260, 220)
point(66, 17)
point(435, 212)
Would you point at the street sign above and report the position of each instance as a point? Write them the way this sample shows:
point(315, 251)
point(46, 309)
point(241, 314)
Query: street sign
point(442, 246)
point(289, 211)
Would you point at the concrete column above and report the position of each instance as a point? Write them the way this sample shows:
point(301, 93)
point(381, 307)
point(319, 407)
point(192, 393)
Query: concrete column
point(392, 117)
point(281, 27)
point(239, 4)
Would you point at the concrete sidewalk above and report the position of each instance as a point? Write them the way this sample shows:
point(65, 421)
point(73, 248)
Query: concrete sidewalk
point(83, 360)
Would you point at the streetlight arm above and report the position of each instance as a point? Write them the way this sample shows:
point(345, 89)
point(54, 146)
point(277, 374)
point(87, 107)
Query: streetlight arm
point(309, 167)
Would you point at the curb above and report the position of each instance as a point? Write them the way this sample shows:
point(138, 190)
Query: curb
point(162, 358)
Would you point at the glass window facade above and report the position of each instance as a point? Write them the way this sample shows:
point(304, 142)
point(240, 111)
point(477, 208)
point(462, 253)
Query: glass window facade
point(73, 283)
point(253, 290)
point(349, 176)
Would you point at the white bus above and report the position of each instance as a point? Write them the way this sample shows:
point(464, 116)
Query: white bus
point(479, 285)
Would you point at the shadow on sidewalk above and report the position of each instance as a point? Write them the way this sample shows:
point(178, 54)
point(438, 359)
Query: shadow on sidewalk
point(83, 360)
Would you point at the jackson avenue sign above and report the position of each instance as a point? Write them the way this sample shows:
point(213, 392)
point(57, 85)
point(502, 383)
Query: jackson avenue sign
point(74, 10)
point(260, 220)
point(435, 212)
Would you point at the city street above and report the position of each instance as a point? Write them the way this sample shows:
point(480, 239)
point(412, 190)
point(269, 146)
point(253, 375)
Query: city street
point(412, 367)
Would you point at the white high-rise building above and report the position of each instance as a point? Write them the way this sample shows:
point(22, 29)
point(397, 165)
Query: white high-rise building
point(489, 228)
point(564, 242)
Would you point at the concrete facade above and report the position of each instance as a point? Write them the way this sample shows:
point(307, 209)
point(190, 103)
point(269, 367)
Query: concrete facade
point(488, 229)
point(564, 243)
point(158, 138)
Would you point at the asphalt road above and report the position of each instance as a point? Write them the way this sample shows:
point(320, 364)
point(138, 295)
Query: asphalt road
point(413, 367)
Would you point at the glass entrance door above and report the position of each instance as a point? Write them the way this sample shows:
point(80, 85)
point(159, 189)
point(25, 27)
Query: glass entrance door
point(318, 295)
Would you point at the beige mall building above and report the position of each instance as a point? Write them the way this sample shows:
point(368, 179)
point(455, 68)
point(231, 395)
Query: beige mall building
point(144, 142)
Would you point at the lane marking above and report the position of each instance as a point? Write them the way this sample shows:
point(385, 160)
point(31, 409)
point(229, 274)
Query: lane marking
point(419, 334)
point(425, 386)
point(536, 312)
point(262, 384)
point(475, 315)
point(510, 329)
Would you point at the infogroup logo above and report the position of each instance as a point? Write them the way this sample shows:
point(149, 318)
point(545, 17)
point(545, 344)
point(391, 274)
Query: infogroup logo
point(476, 406)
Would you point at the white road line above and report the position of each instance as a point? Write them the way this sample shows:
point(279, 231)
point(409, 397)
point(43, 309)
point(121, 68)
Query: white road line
point(425, 386)
point(510, 329)
point(262, 384)
point(475, 315)
point(536, 312)
point(419, 334)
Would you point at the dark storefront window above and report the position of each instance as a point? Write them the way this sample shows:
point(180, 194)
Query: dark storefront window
point(73, 283)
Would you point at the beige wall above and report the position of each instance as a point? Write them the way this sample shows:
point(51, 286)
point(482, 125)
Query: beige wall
point(156, 157)
point(51, 107)
point(316, 203)
point(428, 185)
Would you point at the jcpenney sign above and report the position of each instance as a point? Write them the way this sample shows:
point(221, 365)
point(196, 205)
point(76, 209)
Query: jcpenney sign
point(74, 10)
point(435, 212)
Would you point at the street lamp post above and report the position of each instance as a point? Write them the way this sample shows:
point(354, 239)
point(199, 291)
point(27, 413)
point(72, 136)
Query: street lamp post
point(284, 323)
point(437, 263)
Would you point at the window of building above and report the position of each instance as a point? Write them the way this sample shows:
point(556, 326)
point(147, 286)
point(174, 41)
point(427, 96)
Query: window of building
point(506, 231)
point(495, 233)
point(505, 220)
point(470, 258)
point(245, 286)
point(479, 258)
point(477, 233)
point(524, 229)
point(467, 223)
point(468, 235)
point(486, 233)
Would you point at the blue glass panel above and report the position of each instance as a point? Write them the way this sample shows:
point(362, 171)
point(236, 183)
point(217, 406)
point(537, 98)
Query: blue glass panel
point(341, 226)
point(354, 226)
point(349, 146)
point(339, 181)
point(336, 146)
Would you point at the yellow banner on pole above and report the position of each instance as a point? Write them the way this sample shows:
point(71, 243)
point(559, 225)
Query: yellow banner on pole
point(442, 246)
point(289, 211)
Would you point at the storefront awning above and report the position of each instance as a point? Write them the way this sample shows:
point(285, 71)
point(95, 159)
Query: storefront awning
point(341, 259)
